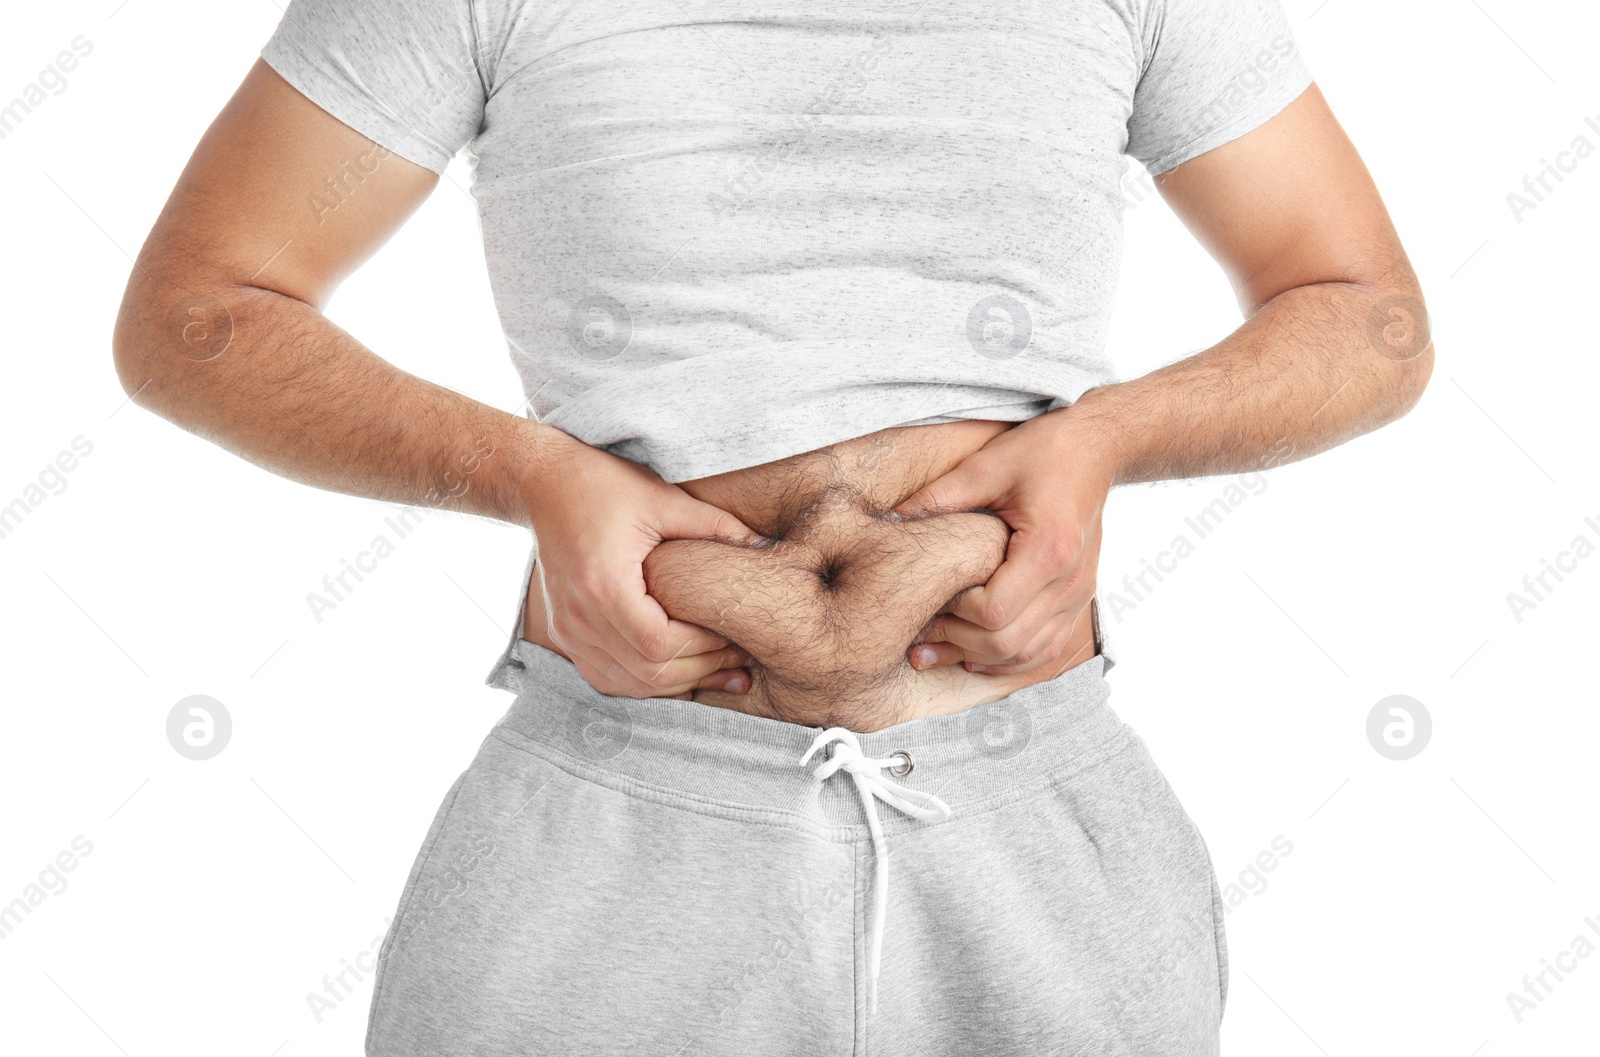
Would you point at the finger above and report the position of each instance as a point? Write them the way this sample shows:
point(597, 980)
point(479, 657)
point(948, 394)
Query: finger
point(963, 488)
point(617, 668)
point(1050, 650)
point(689, 518)
point(1007, 645)
point(633, 628)
point(719, 670)
point(1036, 562)
point(927, 655)
point(961, 640)
point(727, 680)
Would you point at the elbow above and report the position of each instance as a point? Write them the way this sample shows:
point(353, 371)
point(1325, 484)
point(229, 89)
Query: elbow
point(162, 334)
point(128, 358)
point(1413, 381)
point(1399, 330)
point(132, 354)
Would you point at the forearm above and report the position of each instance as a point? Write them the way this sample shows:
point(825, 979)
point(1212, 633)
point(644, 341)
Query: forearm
point(290, 391)
point(1313, 368)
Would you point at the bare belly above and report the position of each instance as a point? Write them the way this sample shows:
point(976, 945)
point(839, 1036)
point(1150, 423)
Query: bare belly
point(828, 609)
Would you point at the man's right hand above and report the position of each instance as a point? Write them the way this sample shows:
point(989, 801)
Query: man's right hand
point(596, 519)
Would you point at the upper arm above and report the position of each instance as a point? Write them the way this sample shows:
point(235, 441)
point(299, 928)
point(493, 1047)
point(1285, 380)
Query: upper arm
point(281, 195)
point(1289, 204)
point(335, 137)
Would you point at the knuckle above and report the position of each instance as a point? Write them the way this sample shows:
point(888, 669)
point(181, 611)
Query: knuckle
point(1059, 549)
point(653, 647)
point(568, 626)
point(1006, 644)
point(659, 678)
point(589, 581)
point(992, 614)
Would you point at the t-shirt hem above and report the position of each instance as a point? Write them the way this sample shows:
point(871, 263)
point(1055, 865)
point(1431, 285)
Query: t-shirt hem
point(294, 66)
point(1268, 105)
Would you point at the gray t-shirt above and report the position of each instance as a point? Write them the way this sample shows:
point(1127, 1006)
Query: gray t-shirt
point(721, 233)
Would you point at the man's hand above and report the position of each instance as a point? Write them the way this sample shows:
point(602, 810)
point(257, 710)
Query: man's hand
point(1048, 481)
point(597, 519)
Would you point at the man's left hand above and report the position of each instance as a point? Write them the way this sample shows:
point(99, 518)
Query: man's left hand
point(1048, 480)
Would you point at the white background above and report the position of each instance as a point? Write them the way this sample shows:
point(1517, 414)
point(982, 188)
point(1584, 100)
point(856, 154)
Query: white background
point(218, 894)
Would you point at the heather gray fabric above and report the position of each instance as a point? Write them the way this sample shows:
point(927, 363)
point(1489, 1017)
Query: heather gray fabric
point(724, 233)
point(663, 877)
point(720, 233)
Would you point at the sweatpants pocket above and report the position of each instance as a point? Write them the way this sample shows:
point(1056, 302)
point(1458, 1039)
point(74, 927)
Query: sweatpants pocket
point(408, 894)
point(1219, 939)
point(1222, 938)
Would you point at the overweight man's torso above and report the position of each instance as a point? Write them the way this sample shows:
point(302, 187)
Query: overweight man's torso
point(829, 608)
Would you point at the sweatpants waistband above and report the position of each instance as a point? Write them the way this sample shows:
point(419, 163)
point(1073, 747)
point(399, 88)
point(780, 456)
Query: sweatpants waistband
point(703, 757)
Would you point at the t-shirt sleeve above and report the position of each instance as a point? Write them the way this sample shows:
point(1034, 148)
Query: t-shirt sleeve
point(403, 73)
point(1213, 71)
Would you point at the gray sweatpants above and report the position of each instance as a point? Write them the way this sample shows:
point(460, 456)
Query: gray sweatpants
point(664, 877)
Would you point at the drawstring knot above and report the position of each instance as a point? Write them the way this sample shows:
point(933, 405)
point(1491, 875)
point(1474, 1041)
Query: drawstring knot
point(873, 785)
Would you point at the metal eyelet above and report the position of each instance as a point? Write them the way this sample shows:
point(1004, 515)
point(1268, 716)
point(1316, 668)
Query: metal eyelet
point(901, 772)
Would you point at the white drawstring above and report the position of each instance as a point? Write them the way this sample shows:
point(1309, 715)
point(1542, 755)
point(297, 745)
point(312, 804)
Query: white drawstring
point(871, 783)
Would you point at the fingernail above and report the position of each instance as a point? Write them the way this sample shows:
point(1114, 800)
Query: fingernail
point(733, 684)
point(921, 657)
point(976, 667)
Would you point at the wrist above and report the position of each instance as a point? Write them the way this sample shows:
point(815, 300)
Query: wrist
point(545, 455)
point(1093, 430)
